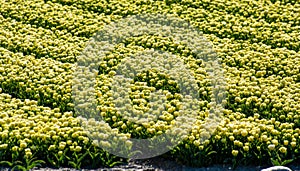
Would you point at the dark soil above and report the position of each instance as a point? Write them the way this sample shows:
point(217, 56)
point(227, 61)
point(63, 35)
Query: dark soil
point(162, 164)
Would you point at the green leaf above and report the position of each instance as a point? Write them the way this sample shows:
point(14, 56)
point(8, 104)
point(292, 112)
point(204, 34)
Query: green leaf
point(6, 163)
point(115, 163)
point(212, 152)
point(275, 162)
point(39, 162)
point(73, 164)
point(82, 157)
point(285, 162)
point(19, 167)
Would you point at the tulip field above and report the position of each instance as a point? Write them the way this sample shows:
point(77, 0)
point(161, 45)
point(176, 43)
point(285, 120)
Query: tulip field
point(257, 43)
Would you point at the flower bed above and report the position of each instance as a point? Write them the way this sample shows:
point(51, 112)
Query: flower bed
point(257, 43)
